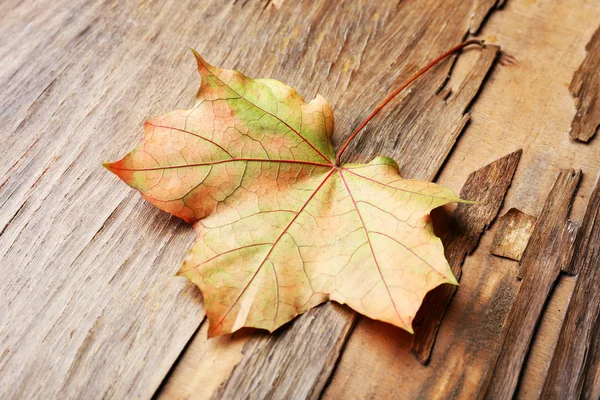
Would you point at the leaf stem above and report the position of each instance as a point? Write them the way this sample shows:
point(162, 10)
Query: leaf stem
point(448, 53)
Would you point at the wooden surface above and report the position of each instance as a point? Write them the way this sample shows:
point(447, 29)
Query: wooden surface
point(538, 117)
point(487, 187)
point(585, 87)
point(88, 302)
point(568, 372)
point(514, 230)
point(540, 266)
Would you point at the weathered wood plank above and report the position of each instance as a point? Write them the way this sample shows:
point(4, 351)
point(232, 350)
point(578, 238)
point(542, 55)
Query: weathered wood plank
point(269, 369)
point(547, 222)
point(522, 105)
point(585, 87)
point(483, 9)
point(542, 265)
point(544, 341)
point(576, 349)
point(566, 263)
point(199, 372)
point(332, 323)
point(514, 230)
point(88, 304)
point(591, 383)
point(487, 186)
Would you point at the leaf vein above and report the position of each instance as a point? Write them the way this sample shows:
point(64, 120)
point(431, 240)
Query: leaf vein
point(268, 113)
point(370, 244)
point(273, 247)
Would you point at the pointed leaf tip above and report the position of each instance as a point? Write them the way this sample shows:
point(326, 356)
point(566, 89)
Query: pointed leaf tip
point(452, 280)
point(203, 65)
point(109, 166)
point(113, 166)
point(472, 202)
point(180, 272)
point(195, 53)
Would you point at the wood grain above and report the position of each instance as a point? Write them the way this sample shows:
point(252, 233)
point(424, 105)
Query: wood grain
point(483, 9)
point(203, 363)
point(293, 363)
point(585, 87)
point(544, 341)
point(542, 265)
point(431, 120)
point(514, 230)
point(486, 186)
point(591, 383)
point(567, 266)
point(552, 217)
point(576, 349)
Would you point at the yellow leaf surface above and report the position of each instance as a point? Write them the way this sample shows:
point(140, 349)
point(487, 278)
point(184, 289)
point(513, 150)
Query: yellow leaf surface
point(280, 226)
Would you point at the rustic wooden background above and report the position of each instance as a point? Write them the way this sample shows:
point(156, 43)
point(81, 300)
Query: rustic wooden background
point(89, 307)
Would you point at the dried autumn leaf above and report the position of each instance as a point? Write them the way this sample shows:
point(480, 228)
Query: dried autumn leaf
point(280, 227)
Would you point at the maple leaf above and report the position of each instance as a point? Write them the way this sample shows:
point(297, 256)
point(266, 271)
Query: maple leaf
point(281, 225)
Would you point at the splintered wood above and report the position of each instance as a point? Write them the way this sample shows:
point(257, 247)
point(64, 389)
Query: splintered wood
point(577, 346)
point(542, 264)
point(514, 230)
point(483, 9)
point(585, 87)
point(487, 187)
